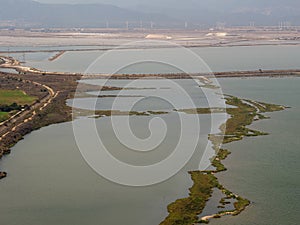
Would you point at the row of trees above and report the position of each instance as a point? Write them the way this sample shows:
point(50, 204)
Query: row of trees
point(12, 107)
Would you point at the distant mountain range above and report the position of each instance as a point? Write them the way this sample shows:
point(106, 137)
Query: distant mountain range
point(73, 15)
point(231, 12)
point(159, 13)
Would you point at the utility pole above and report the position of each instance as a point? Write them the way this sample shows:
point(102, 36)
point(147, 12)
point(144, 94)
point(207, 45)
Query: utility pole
point(287, 25)
point(152, 25)
point(141, 24)
point(280, 25)
point(220, 25)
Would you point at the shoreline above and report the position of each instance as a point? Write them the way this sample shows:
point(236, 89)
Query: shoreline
point(11, 63)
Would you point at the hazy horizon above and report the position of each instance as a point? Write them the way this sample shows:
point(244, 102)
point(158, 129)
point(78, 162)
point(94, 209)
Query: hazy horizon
point(166, 13)
point(209, 4)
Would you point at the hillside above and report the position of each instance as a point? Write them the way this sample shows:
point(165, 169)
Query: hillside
point(67, 15)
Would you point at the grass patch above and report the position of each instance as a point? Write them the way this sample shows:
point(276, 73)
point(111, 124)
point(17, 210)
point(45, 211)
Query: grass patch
point(240, 205)
point(8, 97)
point(4, 116)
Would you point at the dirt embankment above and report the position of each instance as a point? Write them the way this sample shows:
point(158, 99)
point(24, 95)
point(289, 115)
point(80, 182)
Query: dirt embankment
point(56, 56)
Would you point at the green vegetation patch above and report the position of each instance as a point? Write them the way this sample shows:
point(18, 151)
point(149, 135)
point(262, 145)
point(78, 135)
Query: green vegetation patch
point(4, 116)
point(8, 97)
point(203, 110)
point(243, 115)
point(101, 113)
point(185, 211)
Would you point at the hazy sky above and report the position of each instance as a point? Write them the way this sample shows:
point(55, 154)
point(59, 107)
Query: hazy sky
point(69, 1)
point(191, 4)
point(210, 3)
point(116, 2)
point(134, 3)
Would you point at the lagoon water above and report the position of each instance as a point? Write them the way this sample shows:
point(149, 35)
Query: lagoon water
point(50, 183)
point(266, 169)
point(218, 59)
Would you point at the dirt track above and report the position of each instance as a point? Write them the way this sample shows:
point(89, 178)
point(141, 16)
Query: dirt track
point(50, 108)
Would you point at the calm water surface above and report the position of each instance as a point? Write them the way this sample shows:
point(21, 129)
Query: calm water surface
point(266, 169)
point(49, 182)
point(218, 59)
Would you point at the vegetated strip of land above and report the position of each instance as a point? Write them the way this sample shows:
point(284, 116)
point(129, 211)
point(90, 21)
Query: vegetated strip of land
point(186, 211)
point(11, 63)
